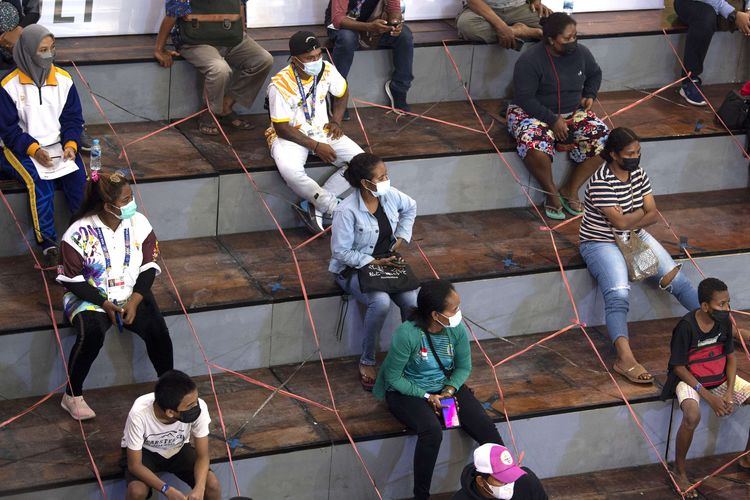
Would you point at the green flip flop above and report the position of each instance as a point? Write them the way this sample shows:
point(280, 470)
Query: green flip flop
point(554, 213)
point(567, 207)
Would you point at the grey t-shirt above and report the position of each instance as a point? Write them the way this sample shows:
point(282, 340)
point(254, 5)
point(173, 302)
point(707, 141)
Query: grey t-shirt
point(502, 4)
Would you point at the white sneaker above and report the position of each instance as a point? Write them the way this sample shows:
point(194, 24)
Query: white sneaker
point(77, 407)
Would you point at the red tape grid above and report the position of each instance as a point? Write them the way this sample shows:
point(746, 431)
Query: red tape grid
point(38, 266)
point(293, 252)
point(124, 154)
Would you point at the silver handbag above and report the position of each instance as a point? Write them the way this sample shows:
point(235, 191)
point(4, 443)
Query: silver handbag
point(641, 260)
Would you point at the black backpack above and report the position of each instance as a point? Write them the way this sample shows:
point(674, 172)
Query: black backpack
point(735, 111)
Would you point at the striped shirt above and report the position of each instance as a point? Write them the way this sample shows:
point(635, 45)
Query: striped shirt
point(606, 190)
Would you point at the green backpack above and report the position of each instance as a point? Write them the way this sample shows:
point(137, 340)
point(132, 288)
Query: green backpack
point(213, 22)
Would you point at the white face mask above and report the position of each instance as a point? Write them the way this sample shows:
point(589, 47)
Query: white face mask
point(505, 492)
point(381, 188)
point(453, 321)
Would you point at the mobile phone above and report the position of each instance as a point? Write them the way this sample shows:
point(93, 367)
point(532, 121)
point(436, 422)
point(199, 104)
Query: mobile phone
point(450, 413)
point(394, 23)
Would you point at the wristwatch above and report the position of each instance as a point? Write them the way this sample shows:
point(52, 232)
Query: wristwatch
point(426, 395)
point(732, 18)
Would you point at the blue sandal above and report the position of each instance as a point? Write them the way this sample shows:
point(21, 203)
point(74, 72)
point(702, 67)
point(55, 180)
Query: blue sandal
point(568, 208)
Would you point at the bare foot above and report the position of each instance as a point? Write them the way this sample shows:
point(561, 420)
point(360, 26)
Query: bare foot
point(369, 372)
point(524, 32)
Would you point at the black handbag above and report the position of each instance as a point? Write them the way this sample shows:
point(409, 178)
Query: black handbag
point(735, 111)
point(213, 22)
point(389, 279)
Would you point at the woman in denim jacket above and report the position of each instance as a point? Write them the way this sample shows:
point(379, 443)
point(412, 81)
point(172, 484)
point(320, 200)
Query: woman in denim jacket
point(372, 221)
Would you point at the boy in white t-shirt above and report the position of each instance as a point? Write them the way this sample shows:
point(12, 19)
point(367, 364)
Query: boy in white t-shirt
point(159, 426)
point(300, 126)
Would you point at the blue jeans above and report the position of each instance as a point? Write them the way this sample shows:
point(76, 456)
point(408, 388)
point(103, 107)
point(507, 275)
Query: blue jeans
point(378, 304)
point(346, 42)
point(607, 265)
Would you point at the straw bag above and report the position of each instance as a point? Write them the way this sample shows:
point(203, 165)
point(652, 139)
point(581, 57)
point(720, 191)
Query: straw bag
point(640, 259)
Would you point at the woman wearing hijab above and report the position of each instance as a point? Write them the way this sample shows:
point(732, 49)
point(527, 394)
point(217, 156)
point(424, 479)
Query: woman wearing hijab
point(40, 124)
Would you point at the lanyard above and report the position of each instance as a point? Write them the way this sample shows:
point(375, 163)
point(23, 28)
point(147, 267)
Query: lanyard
point(357, 10)
point(105, 250)
point(309, 113)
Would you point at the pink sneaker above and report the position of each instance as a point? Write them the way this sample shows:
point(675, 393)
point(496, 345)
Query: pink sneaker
point(77, 407)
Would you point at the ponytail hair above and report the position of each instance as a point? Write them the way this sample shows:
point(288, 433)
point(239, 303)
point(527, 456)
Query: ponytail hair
point(101, 188)
point(361, 167)
point(618, 139)
point(432, 297)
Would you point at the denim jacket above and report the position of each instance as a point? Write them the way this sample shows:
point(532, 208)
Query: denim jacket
point(355, 230)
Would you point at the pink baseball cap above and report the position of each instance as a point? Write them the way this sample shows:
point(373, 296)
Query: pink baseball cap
point(496, 460)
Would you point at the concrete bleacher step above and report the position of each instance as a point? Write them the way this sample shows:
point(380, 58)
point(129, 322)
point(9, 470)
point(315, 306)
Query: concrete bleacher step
point(562, 379)
point(642, 58)
point(192, 185)
point(243, 295)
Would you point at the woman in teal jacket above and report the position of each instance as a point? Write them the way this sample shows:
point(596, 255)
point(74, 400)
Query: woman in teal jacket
point(413, 382)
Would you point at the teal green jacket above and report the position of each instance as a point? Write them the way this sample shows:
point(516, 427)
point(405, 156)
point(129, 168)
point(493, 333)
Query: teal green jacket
point(412, 370)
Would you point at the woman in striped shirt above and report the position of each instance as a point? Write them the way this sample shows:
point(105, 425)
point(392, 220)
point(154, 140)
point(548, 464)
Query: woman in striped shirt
point(619, 199)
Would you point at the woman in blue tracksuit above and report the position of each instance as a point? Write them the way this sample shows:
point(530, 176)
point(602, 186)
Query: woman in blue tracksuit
point(41, 118)
point(372, 221)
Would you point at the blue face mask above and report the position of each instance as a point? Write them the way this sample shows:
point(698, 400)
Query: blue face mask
point(127, 211)
point(313, 68)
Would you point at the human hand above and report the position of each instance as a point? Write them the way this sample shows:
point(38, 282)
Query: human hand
point(717, 405)
point(434, 400)
point(379, 26)
point(539, 8)
point(397, 245)
point(174, 494)
point(164, 57)
point(69, 154)
point(448, 392)
point(195, 495)
point(9, 38)
point(728, 401)
point(397, 24)
point(743, 22)
point(334, 130)
point(386, 261)
point(560, 129)
point(325, 152)
point(43, 157)
point(505, 36)
point(128, 312)
point(587, 102)
point(111, 310)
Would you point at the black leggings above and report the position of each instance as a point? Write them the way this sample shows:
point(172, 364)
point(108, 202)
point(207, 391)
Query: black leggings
point(418, 415)
point(702, 22)
point(91, 326)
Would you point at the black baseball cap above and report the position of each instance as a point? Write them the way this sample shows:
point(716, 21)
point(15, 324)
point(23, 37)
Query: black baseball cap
point(303, 42)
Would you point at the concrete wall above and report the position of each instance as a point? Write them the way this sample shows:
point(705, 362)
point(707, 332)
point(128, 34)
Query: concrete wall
point(268, 335)
point(636, 61)
point(555, 445)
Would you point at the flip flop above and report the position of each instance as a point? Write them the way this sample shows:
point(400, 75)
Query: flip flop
point(367, 382)
point(233, 120)
point(633, 377)
point(554, 213)
point(569, 208)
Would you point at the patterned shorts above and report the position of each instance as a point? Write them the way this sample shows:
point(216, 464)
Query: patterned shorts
point(590, 134)
point(741, 391)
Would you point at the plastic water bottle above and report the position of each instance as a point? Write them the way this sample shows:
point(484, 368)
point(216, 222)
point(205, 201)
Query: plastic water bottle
point(96, 156)
point(568, 6)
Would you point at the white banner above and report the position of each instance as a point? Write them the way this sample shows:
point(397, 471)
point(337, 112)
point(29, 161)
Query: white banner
point(76, 18)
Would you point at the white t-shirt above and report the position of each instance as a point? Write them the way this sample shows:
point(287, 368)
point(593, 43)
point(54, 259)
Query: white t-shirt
point(285, 102)
point(144, 430)
point(131, 249)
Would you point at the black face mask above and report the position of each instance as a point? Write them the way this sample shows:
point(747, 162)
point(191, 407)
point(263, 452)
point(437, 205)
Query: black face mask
point(570, 47)
point(630, 164)
point(719, 315)
point(191, 415)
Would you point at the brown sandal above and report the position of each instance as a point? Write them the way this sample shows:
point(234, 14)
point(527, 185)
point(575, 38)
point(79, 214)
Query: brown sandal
point(207, 126)
point(633, 374)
